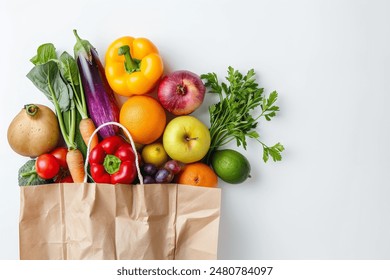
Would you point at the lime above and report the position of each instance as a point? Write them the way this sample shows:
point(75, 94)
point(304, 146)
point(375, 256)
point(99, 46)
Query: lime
point(231, 166)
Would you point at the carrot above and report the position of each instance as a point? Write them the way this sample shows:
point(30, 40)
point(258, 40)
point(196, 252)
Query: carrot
point(87, 127)
point(75, 161)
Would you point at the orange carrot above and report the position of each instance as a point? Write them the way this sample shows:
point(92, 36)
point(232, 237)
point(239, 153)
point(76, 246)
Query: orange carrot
point(87, 127)
point(75, 161)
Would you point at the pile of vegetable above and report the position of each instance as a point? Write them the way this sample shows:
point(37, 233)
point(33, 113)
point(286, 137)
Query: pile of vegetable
point(84, 95)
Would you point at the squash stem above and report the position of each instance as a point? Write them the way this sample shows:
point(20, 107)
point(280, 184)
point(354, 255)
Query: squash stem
point(31, 109)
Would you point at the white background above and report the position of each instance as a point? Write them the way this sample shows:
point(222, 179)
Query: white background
point(329, 62)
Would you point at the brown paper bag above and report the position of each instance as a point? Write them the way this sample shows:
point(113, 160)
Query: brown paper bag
point(102, 221)
point(107, 222)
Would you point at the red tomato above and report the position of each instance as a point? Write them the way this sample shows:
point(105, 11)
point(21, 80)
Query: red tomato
point(47, 166)
point(67, 179)
point(60, 154)
point(64, 178)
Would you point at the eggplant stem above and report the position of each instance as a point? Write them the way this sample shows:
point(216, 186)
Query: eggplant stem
point(76, 35)
point(82, 46)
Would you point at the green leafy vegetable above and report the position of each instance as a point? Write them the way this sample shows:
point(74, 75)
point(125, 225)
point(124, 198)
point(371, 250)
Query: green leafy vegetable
point(232, 118)
point(46, 76)
point(27, 175)
point(71, 74)
point(69, 68)
point(45, 53)
point(59, 79)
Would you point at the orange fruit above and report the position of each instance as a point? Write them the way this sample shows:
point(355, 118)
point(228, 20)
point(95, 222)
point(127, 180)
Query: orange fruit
point(198, 174)
point(144, 118)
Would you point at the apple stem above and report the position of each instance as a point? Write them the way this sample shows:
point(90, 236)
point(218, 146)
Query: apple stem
point(181, 90)
point(191, 138)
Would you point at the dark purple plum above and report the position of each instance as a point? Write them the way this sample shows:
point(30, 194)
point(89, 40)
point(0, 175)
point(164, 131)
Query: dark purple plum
point(163, 176)
point(174, 166)
point(149, 180)
point(149, 169)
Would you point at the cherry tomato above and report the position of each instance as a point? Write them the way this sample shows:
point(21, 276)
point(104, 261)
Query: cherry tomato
point(47, 166)
point(60, 154)
point(64, 178)
point(67, 179)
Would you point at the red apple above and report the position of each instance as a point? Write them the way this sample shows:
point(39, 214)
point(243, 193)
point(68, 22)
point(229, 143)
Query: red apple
point(181, 92)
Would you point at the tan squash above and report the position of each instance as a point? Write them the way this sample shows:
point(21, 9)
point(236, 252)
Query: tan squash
point(34, 131)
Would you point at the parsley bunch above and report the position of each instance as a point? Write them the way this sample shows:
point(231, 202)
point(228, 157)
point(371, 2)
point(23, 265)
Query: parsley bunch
point(231, 118)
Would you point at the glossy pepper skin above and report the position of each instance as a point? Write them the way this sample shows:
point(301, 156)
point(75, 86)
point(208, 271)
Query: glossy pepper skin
point(112, 161)
point(133, 66)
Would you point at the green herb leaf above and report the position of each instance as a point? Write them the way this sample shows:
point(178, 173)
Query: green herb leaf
point(69, 69)
point(269, 109)
point(233, 117)
point(272, 98)
point(46, 77)
point(265, 154)
point(45, 53)
point(56, 78)
point(274, 152)
point(253, 134)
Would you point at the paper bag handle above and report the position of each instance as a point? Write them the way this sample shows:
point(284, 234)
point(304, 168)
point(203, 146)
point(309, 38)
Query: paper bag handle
point(140, 177)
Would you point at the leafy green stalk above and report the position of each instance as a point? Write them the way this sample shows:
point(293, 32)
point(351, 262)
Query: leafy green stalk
point(46, 76)
point(27, 175)
point(232, 118)
point(71, 74)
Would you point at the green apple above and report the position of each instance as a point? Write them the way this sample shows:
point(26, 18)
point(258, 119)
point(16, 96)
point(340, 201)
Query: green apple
point(186, 139)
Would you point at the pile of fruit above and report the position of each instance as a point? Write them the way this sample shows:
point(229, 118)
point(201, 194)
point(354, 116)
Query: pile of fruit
point(156, 108)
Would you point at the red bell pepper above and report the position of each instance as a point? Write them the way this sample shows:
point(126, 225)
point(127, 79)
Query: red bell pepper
point(112, 161)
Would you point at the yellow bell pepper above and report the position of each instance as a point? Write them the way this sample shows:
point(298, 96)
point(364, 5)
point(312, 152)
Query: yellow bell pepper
point(133, 66)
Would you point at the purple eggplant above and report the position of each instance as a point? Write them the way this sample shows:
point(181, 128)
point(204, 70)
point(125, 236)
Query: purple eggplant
point(101, 103)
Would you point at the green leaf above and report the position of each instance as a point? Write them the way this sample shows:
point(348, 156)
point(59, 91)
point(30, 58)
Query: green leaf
point(265, 154)
point(279, 147)
point(225, 88)
point(275, 151)
point(274, 108)
point(46, 77)
point(272, 98)
point(45, 53)
point(233, 117)
point(253, 134)
point(211, 82)
point(212, 109)
point(269, 116)
point(69, 69)
point(264, 106)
